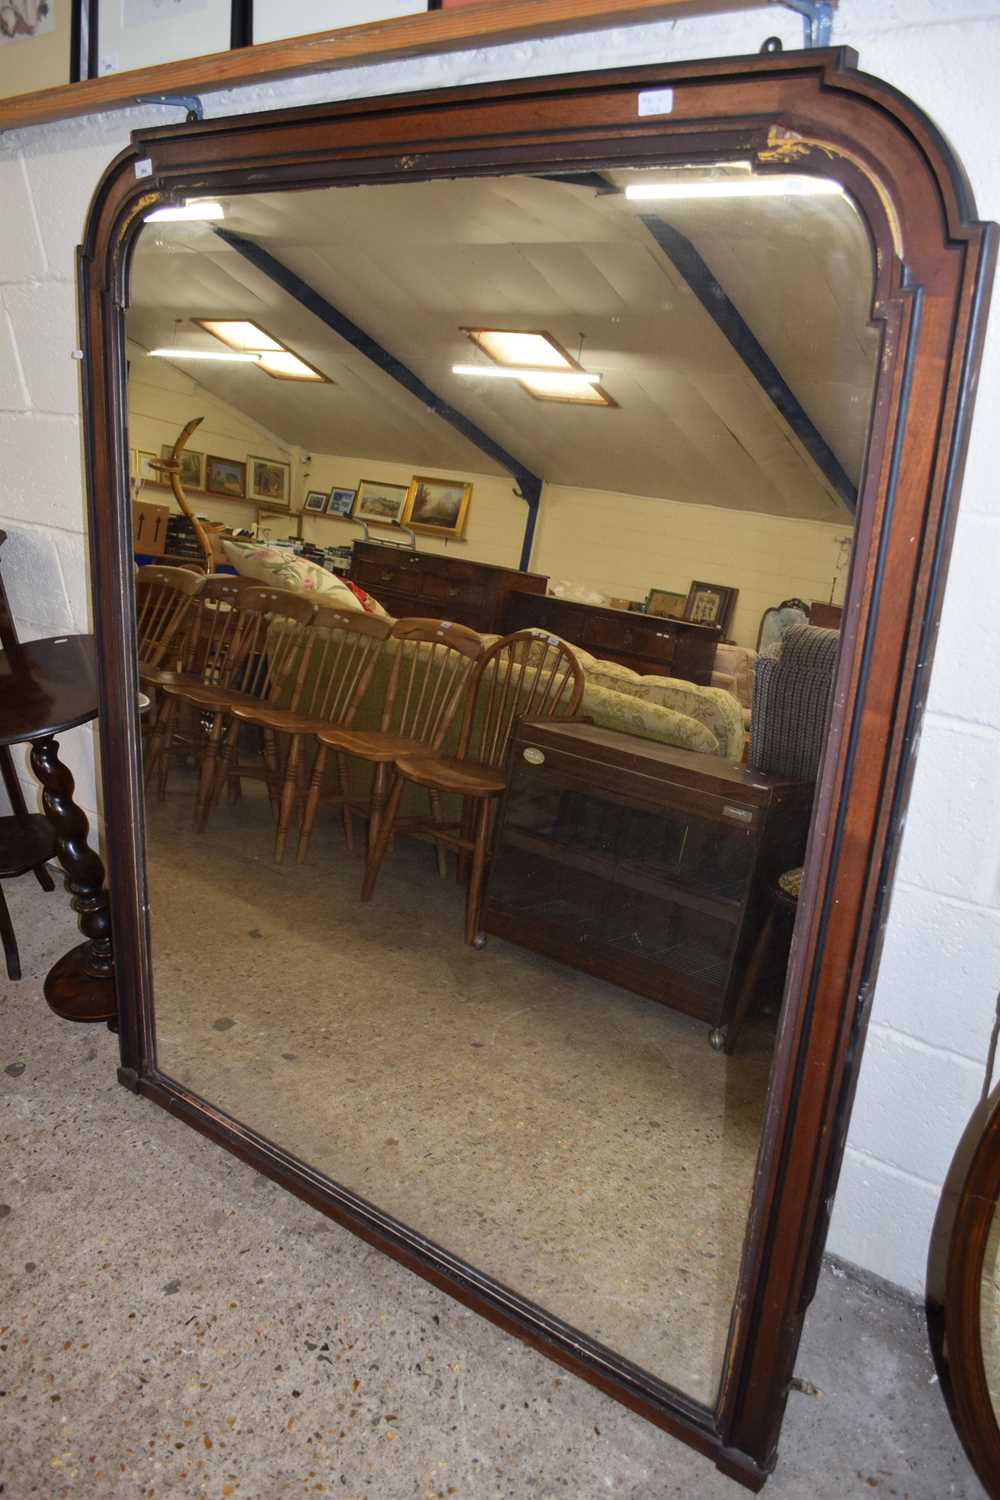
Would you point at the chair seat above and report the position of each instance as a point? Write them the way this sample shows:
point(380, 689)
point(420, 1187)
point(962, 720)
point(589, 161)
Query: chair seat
point(192, 690)
point(464, 778)
point(283, 719)
point(370, 744)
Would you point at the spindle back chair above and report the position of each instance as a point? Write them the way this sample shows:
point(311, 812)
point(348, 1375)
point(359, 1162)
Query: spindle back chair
point(527, 675)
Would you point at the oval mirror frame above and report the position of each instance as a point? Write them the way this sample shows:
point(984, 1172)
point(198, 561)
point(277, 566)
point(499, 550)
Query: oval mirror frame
point(815, 112)
point(962, 1230)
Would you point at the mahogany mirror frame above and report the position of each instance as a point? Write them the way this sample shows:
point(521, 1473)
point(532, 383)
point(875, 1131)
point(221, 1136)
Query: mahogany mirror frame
point(809, 111)
point(954, 1287)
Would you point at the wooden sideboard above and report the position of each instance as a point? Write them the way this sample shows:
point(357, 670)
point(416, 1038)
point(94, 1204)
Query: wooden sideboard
point(439, 587)
point(647, 644)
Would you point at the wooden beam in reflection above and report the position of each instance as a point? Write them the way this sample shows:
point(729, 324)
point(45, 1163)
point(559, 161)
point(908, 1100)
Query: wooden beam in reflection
point(728, 318)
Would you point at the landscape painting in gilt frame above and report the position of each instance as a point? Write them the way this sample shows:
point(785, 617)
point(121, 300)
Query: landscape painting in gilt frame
point(437, 507)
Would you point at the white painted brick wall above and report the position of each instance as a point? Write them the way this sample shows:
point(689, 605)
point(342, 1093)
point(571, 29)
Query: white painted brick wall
point(934, 1003)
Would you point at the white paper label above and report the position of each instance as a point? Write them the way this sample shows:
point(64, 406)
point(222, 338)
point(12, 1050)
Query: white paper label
point(656, 102)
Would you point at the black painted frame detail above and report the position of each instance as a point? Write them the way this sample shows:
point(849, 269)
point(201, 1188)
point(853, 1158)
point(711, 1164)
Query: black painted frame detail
point(812, 110)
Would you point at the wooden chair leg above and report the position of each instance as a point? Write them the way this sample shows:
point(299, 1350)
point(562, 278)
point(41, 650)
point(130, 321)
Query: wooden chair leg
point(44, 878)
point(209, 768)
point(474, 898)
point(346, 815)
point(312, 803)
point(158, 743)
point(376, 807)
point(289, 794)
point(9, 940)
point(437, 819)
point(467, 825)
point(272, 768)
point(376, 853)
point(751, 979)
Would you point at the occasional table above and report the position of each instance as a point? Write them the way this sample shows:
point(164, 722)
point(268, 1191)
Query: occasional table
point(46, 688)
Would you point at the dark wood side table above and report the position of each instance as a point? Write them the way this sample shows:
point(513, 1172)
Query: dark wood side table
point(46, 688)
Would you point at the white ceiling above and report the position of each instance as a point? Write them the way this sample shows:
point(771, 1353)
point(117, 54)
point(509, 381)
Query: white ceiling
point(410, 263)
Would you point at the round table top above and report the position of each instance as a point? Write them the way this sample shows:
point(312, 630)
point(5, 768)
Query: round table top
point(47, 687)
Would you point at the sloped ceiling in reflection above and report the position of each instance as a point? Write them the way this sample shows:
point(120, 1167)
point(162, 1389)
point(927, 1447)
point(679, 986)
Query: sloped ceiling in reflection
point(411, 263)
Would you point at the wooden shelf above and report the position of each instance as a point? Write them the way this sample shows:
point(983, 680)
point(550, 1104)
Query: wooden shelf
point(491, 22)
point(617, 873)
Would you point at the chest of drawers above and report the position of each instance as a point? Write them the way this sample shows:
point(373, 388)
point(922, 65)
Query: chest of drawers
point(650, 646)
point(439, 587)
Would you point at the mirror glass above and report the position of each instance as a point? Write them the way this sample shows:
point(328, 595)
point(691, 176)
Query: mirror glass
point(682, 366)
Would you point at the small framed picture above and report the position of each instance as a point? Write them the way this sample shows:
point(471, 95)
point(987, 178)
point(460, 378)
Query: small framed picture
point(379, 502)
point(270, 482)
point(143, 469)
point(711, 604)
point(225, 476)
point(340, 502)
point(192, 466)
point(665, 604)
point(315, 502)
point(40, 45)
point(137, 33)
point(437, 506)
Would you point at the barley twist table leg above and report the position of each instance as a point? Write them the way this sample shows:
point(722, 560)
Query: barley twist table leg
point(80, 987)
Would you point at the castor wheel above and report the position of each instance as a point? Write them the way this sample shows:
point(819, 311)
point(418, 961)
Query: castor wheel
point(717, 1039)
point(479, 941)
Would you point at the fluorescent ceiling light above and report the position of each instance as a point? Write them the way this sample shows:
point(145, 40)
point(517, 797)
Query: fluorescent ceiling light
point(737, 187)
point(581, 388)
point(538, 362)
point(555, 379)
point(239, 333)
point(285, 365)
point(508, 347)
point(269, 354)
point(204, 208)
point(232, 357)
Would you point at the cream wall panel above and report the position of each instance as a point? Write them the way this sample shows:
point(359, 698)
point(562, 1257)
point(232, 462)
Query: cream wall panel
point(623, 545)
point(495, 527)
point(162, 399)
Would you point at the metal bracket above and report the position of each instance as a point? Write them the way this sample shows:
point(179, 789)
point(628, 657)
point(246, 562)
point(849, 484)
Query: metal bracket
point(193, 106)
point(817, 19)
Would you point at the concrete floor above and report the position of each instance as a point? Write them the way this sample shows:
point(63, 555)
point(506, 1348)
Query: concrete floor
point(582, 1145)
point(175, 1325)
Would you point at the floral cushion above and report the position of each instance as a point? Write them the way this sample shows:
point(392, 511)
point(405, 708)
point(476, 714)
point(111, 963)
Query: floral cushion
point(280, 566)
point(647, 721)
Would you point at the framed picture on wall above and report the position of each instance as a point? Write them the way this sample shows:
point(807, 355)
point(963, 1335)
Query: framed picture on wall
point(138, 33)
point(340, 502)
point(142, 467)
point(437, 507)
point(269, 481)
point(192, 466)
point(315, 502)
point(275, 19)
point(379, 502)
point(40, 45)
point(711, 604)
point(225, 476)
point(665, 604)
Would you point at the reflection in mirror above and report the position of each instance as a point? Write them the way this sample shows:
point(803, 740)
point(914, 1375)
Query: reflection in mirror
point(989, 1313)
point(634, 426)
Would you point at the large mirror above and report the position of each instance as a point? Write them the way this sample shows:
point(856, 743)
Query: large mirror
point(499, 535)
point(548, 1106)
